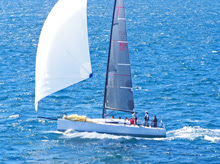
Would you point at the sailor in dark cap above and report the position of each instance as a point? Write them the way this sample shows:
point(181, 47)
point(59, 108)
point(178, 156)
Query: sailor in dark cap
point(146, 118)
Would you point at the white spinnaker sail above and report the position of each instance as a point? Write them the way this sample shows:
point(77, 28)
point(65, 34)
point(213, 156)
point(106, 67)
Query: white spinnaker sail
point(63, 55)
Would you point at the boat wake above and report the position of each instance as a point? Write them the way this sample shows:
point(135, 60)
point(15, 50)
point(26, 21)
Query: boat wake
point(91, 135)
point(195, 132)
point(94, 135)
point(187, 132)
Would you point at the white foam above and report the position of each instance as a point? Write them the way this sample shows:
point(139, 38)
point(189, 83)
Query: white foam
point(187, 132)
point(55, 132)
point(189, 120)
point(192, 133)
point(212, 139)
point(91, 135)
point(214, 51)
point(14, 116)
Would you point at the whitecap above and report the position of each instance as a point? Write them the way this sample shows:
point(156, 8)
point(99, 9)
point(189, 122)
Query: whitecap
point(214, 51)
point(212, 139)
point(14, 116)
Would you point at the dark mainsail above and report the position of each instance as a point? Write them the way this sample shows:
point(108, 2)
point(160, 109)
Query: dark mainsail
point(118, 88)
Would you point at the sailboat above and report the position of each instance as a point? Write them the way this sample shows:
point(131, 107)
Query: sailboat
point(63, 59)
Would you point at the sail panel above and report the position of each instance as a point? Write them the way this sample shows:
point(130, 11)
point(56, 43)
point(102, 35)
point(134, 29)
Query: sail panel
point(63, 55)
point(118, 91)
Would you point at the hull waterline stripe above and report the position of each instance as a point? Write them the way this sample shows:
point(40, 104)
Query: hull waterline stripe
point(123, 134)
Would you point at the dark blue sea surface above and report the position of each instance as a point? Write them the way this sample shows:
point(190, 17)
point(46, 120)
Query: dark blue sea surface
point(175, 56)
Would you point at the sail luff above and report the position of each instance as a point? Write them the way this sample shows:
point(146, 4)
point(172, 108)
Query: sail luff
point(109, 51)
point(118, 89)
point(63, 56)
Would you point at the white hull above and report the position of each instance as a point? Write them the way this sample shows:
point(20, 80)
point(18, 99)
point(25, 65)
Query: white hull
point(109, 128)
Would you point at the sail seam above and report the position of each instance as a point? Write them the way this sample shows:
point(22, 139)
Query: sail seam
point(121, 64)
point(120, 41)
point(119, 7)
point(117, 74)
point(126, 88)
point(122, 19)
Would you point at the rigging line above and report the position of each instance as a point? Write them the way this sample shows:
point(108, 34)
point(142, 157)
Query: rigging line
point(93, 40)
point(109, 114)
point(90, 46)
point(55, 119)
point(109, 51)
point(69, 99)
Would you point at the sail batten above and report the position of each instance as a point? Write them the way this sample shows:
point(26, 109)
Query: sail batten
point(63, 55)
point(120, 41)
point(118, 89)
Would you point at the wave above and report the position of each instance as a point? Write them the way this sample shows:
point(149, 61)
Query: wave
point(195, 132)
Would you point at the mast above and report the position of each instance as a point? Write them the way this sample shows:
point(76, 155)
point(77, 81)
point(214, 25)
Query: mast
point(118, 85)
point(106, 80)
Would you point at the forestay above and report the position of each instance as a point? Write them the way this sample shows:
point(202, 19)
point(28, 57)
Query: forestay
point(63, 55)
point(118, 89)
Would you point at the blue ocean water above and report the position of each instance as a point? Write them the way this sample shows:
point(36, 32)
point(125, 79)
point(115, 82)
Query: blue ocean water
point(175, 55)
